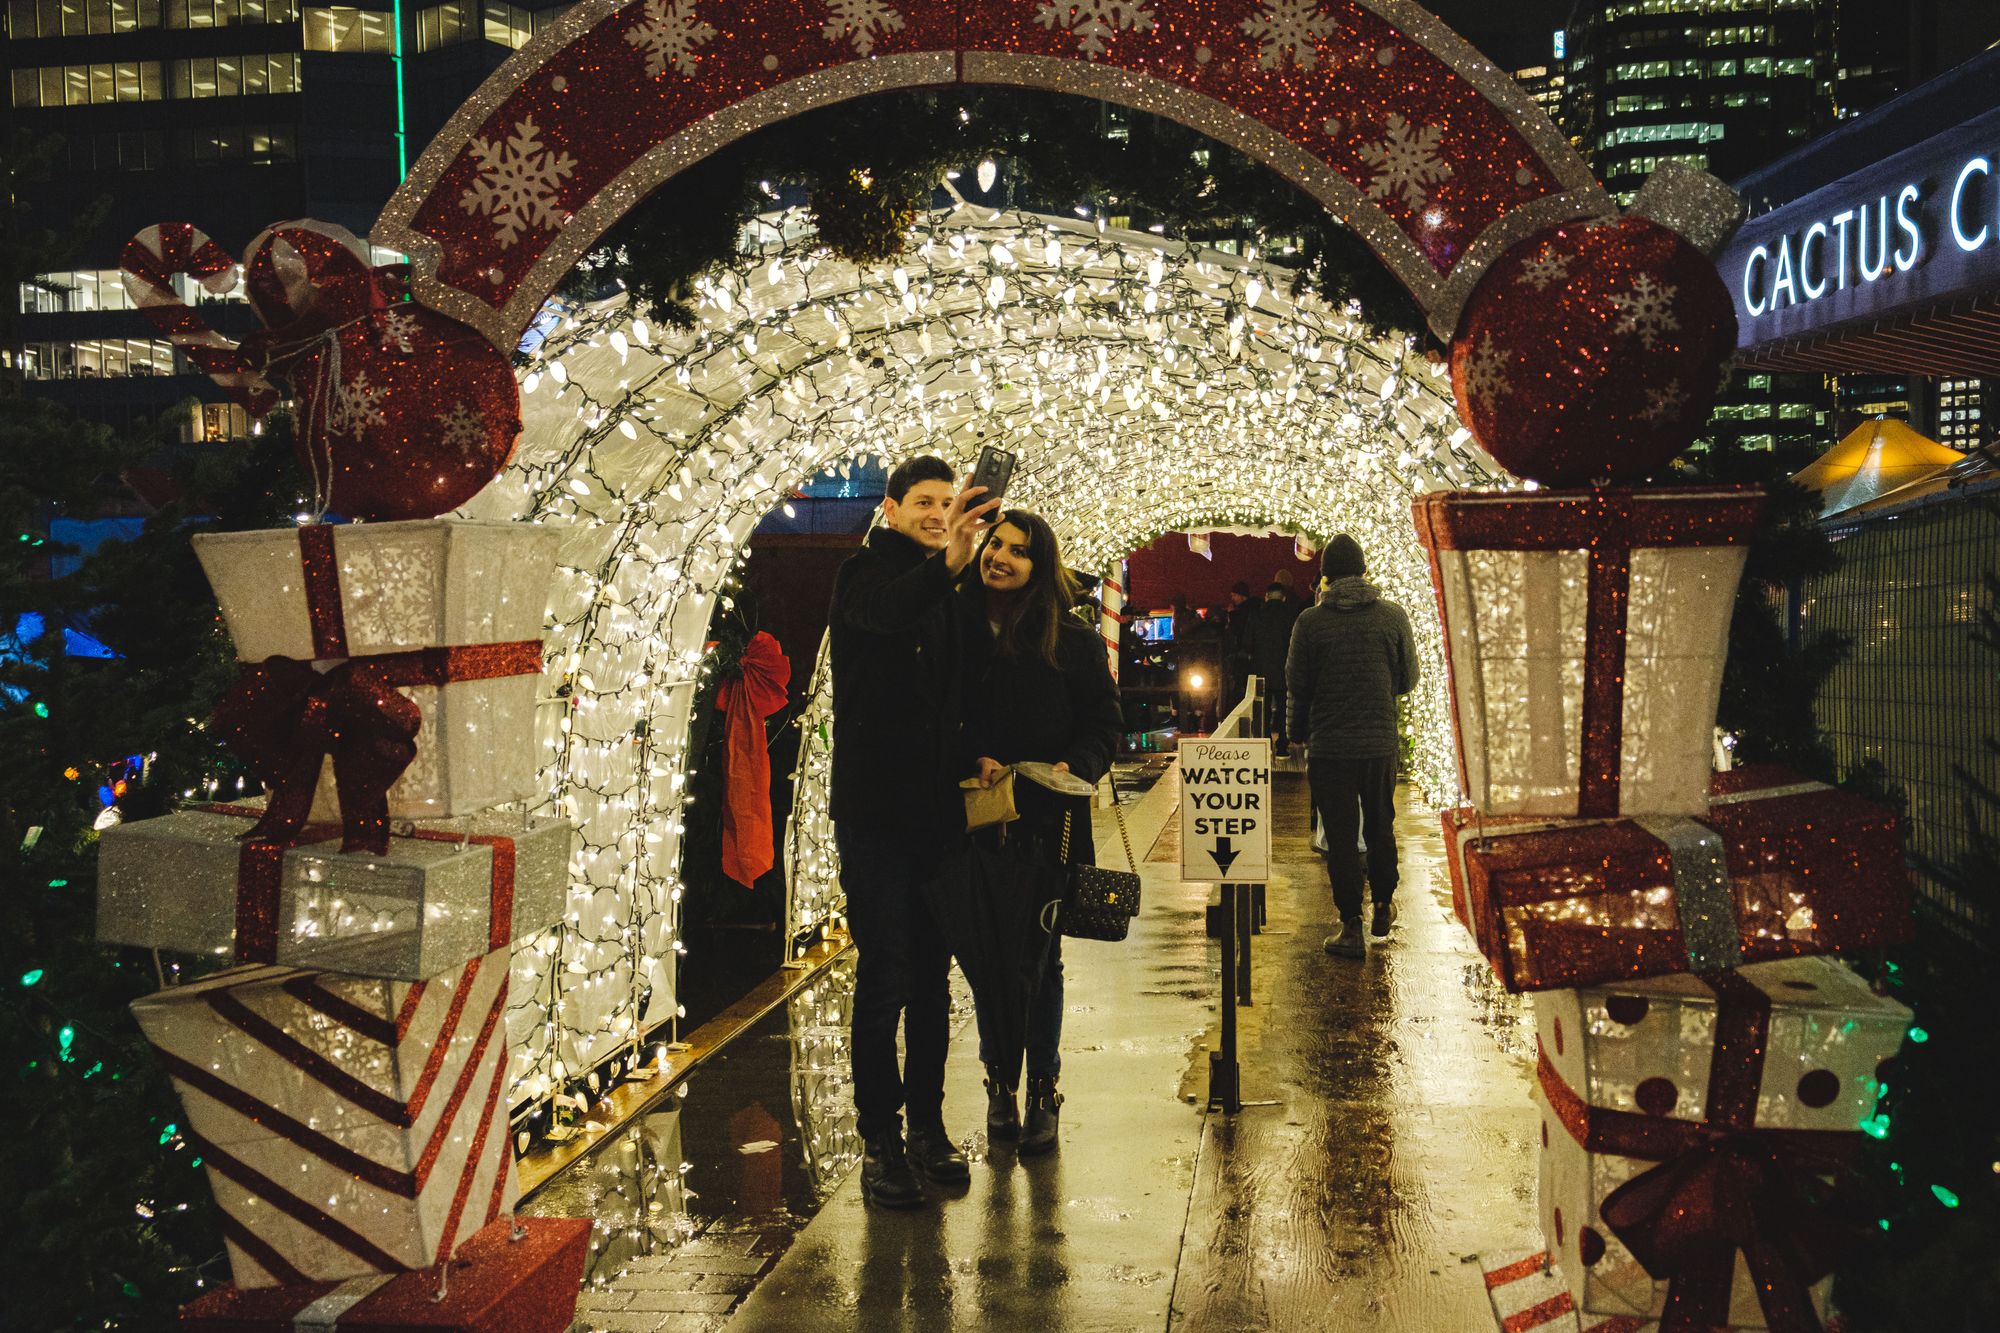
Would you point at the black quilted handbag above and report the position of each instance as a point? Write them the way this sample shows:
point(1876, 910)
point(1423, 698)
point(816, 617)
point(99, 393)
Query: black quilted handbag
point(1099, 904)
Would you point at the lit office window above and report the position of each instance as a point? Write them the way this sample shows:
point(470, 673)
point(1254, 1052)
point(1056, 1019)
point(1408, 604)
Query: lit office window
point(233, 76)
point(85, 85)
point(97, 358)
point(350, 31)
point(446, 25)
point(508, 26)
point(228, 13)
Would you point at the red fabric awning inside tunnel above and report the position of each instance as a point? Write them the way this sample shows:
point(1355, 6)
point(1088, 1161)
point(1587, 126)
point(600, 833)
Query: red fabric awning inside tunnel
point(1167, 568)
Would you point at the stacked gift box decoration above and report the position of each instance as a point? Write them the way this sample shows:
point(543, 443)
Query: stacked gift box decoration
point(1704, 1066)
point(346, 1082)
point(1704, 1069)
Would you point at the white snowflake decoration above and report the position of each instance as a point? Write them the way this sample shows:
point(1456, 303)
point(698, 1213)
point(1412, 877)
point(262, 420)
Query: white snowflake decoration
point(1296, 26)
point(1663, 403)
point(519, 183)
point(1486, 373)
point(1647, 310)
point(397, 327)
point(461, 429)
point(668, 35)
point(1094, 20)
point(356, 406)
point(1545, 268)
point(1406, 162)
point(860, 22)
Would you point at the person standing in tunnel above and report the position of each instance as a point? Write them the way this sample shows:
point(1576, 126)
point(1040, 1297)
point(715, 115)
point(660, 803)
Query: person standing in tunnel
point(1037, 687)
point(1236, 661)
point(1270, 633)
point(896, 809)
point(1352, 655)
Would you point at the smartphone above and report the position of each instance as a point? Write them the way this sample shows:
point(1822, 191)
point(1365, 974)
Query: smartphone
point(993, 471)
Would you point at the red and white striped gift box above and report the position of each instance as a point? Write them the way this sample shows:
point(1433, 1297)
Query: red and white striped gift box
point(348, 1125)
point(1531, 1295)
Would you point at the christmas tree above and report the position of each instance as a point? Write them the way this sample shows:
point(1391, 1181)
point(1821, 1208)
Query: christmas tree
point(112, 1225)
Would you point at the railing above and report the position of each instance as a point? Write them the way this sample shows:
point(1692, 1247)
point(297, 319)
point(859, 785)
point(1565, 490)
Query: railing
point(1236, 914)
point(1247, 717)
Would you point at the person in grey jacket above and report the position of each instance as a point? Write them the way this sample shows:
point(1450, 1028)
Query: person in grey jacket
point(1351, 656)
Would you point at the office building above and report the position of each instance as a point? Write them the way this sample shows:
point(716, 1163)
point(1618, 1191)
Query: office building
point(231, 115)
point(1724, 85)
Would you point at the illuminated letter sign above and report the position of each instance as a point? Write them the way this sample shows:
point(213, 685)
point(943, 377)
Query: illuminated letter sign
point(1978, 238)
point(1872, 243)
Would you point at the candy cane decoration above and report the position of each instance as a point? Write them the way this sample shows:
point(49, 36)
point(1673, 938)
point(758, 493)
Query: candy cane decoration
point(1111, 614)
point(150, 262)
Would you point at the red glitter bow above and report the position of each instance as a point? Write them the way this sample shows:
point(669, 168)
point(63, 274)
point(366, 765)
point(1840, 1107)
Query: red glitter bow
point(1759, 1192)
point(283, 717)
point(306, 279)
point(1722, 1185)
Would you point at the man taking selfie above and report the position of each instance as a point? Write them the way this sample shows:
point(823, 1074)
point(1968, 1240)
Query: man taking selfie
point(896, 807)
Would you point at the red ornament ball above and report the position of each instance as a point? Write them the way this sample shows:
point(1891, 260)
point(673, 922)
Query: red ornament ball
point(1592, 351)
point(408, 414)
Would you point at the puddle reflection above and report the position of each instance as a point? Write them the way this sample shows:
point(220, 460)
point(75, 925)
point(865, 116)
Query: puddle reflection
point(761, 1135)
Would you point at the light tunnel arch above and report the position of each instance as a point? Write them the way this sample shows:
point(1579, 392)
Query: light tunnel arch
point(659, 450)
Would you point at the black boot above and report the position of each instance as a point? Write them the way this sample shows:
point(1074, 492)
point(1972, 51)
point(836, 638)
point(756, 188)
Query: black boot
point(886, 1176)
point(932, 1153)
point(1003, 1120)
point(1044, 1111)
point(1347, 944)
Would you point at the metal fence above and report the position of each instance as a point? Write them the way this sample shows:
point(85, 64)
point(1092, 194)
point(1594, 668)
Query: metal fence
point(1917, 692)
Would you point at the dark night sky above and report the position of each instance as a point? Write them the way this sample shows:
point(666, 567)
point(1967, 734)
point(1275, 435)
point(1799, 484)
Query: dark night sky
point(1509, 32)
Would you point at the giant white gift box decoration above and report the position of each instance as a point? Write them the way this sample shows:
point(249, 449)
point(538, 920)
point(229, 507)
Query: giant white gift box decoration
point(347, 1126)
point(449, 600)
point(1688, 1064)
point(1585, 633)
point(447, 891)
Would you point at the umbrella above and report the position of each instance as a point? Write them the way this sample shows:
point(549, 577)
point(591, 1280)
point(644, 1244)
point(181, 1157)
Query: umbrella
point(997, 901)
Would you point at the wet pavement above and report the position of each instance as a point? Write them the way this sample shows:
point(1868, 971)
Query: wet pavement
point(1385, 1141)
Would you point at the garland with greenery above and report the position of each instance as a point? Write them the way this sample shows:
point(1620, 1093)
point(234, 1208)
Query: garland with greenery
point(866, 167)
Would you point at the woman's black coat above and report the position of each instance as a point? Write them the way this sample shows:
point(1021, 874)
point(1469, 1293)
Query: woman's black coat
point(1020, 707)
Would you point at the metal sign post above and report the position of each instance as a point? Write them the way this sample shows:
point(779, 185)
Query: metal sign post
point(1226, 839)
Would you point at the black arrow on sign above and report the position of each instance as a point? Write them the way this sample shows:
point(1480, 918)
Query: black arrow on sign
point(1224, 854)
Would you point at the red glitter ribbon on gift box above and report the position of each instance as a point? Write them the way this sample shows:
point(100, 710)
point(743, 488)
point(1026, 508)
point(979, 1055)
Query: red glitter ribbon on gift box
point(260, 879)
point(1608, 524)
point(1787, 842)
point(283, 716)
point(496, 1284)
point(1723, 1185)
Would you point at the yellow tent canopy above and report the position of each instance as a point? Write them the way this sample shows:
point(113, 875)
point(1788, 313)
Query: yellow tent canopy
point(1875, 458)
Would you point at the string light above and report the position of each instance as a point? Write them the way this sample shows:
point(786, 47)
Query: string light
point(1146, 385)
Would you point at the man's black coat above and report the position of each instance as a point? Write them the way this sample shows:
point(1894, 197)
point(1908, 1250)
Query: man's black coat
point(895, 671)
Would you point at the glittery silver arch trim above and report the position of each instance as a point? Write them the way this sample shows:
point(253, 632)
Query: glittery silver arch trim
point(1442, 298)
point(1498, 87)
point(711, 133)
point(449, 145)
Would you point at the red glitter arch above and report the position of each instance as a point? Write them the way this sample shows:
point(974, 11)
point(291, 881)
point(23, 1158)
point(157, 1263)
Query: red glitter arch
point(1431, 153)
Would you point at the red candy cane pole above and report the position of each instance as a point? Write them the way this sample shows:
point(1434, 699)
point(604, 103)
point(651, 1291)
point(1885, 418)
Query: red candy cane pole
point(150, 262)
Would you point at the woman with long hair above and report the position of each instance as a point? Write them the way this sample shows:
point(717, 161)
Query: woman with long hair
point(1037, 687)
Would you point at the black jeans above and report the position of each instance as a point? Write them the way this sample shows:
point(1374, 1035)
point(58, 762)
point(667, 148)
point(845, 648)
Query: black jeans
point(902, 971)
point(1346, 792)
point(1274, 717)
